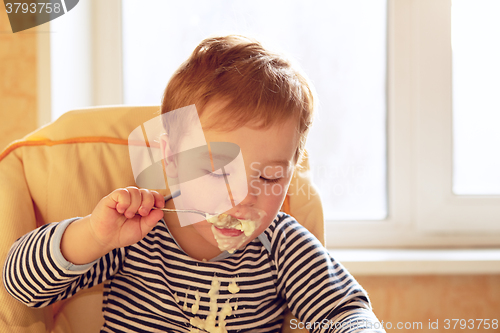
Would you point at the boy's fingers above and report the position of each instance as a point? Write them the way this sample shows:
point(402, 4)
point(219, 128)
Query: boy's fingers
point(121, 197)
point(135, 201)
point(148, 201)
point(159, 199)
point(132, 200)
point(150, 221)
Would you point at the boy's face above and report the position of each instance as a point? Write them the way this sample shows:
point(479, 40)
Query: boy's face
point(258, 181)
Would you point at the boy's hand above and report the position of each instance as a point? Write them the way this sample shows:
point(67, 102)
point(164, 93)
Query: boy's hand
point(120, 219)
point(125, 216)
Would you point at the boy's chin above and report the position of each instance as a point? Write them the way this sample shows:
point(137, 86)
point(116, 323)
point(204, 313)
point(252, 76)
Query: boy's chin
point(237, 240)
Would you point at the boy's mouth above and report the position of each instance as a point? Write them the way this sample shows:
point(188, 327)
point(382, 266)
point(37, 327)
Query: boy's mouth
point(230, 232)
point(224, 221)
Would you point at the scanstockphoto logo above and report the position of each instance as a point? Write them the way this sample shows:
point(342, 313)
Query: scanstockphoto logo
point(170, 151)
point(25, 15)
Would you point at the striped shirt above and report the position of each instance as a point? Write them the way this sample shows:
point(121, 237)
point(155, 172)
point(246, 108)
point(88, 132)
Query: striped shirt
point(155, 286)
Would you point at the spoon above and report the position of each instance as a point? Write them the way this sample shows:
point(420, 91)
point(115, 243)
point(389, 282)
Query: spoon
point(220, 221)
point(195, 211)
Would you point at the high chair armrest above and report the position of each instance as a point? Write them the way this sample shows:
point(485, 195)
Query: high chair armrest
point(18, 218)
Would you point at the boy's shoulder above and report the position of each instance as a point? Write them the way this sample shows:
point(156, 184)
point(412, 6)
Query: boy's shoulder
point(285, 238)
point(285, 227)
point(283, 220)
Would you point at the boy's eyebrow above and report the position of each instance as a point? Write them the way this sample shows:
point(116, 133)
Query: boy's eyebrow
point(284, 163)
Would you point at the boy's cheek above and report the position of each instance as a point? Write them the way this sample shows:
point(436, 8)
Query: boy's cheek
point(206, 193)
point(271, 205)
point(275, 191)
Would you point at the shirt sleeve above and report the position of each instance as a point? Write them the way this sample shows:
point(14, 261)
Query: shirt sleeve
point(36, 273)
point(319, 291)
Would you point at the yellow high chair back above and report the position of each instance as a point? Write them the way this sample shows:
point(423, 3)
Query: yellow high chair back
point(62, 170)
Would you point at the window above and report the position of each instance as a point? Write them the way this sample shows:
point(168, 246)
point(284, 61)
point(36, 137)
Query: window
point(85, 57)
point(476, 106)
point(392, 108)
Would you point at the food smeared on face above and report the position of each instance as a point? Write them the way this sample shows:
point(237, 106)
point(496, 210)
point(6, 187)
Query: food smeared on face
point(231, 232)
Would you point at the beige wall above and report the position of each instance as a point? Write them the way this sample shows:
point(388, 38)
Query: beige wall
point(18, 86)
point(395, 299)
point(420, 298)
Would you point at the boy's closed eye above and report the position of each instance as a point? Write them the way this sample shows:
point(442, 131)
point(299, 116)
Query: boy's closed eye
point(222, 175)
point(269, 180)
point(217, 174)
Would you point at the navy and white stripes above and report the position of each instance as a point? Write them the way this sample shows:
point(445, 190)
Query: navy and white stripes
point(143, 282)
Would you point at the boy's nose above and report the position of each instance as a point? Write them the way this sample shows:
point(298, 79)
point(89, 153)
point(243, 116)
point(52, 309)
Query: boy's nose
point(247, 210)
point(248, 200)
point(242, 193)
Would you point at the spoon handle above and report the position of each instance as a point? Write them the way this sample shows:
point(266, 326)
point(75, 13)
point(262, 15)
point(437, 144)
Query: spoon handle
point(168, 210)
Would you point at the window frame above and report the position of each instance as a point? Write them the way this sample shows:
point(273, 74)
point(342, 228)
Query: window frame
point(422, 210)
point(439, 210)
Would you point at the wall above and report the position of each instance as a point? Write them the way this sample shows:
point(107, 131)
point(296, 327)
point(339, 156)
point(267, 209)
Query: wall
point(423, 298)
point(18, 81)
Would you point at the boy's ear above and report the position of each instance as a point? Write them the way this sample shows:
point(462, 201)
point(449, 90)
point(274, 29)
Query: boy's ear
point(168, 156)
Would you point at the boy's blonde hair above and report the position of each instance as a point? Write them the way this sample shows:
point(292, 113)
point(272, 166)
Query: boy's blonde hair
point(255, 87)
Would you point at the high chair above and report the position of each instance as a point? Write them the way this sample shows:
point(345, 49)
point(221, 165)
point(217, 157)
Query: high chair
point(62, 170)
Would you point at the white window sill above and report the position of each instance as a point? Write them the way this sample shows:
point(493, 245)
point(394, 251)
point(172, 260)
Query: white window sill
point(418, 262)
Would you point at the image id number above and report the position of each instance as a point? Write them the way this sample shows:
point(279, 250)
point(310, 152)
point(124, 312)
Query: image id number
point(470, 324)
point(32, 8)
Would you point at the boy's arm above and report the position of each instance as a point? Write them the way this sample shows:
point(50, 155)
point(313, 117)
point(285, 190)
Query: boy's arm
point(318, 290)
point(78, 245)
point(37, 274)
point(56, 260)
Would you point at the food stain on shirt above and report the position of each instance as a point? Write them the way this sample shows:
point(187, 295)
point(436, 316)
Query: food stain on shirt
point(196, 305)
point(211, 324)
point(233, 287)
point(185, 307)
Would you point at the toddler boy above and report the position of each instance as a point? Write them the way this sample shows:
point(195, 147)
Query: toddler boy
point(163, 275)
